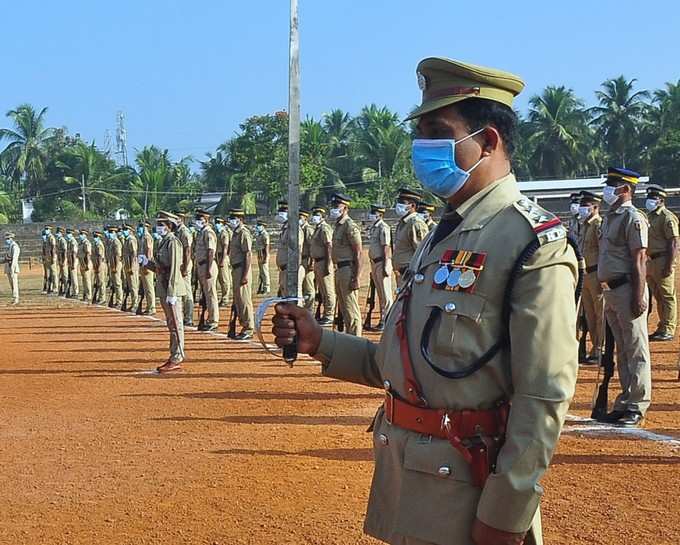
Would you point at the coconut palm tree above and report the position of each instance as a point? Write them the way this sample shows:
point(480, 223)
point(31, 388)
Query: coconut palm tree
point(668, 103)
point(618, 117)
point(25, 151)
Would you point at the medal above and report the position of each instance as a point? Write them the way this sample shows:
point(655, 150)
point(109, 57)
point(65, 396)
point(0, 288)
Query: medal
point(441, 275)
point(467, 278)
point(454, 278)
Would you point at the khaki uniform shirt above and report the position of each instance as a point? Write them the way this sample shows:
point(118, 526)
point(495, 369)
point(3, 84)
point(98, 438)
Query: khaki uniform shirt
point(72, 253)
point(186, 238)
point(85, 255)
point(261, 240)
point(146, 244)
point(130, 254)
point(589, 240)
point(51, 249)
point(240, 245)
point(623, 231)
point(62, 246)
point(115, 256)
point(409, 232)
point(663, 226)
point(307, 232)
point(346, 234)
point(431, 224)
point(322, 236)
point(535, 371)
point(12, 258)
point(223, 238)
point(379, 237)
point(206, 240)
point(282, 253)
point(168, 260)
point(98, 254)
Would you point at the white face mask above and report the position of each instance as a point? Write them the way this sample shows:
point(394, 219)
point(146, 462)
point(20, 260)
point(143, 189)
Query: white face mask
point(584, 212)
point(259, 228)
point(200, 224)
point(372, 217)
point(234, 222)
point(162, 230)
point(652, 204)
point(424, 215)
point(573, 207)
point(282, 217)
point(609, 195)
point(335, 213)
point(316, 219)
point(401, 209)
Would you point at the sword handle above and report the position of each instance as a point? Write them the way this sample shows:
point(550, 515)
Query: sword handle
point(290, 352)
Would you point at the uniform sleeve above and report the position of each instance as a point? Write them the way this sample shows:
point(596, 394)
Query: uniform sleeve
point(212, 241)
point(327, 235)
point(637, 233)
point(544, 363)
point(175, 279)
point(348, 358)
point(384, 235)
point(354, 235)
point(246, 242)
point(670, 227)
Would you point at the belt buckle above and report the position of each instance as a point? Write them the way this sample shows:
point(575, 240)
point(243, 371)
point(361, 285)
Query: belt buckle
point(389, 415)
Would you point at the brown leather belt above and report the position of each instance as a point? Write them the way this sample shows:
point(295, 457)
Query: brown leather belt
point(341, 264)
point(656, 255)
point(591, 269)
point(477, 435)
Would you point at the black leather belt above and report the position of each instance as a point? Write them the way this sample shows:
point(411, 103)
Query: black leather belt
point(378, 260)
point(283, 267)
point(590, 269)
point(202, 262)
point(236, 265)
point(617, 282)
point(656, 255)
point(341, 264)
point(319, 259)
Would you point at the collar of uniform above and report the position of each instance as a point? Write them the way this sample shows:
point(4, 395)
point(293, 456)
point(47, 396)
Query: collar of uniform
point(622, 207)
point(657, 211)
point(591, 219)
point(342, 220)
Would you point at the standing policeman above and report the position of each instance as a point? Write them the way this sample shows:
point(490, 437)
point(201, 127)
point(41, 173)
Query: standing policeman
point(99, 267)
point(321, 252)
point(72, 264)
point(206, 251)
point(147, 276)
point(223, 269)
point(425, 211)
point(346, 253)
point(476, 358)
point(85, 263)
point(380, 256)
point(663, 249)
point(186, 238)
point(410, 229)
point(115, 265)
point(308, 287)
point(574, 223)
point(241, 259)
point(262, 249)
point(62, 246)
point(12, 266)
point(51, 256)
point(622, 266)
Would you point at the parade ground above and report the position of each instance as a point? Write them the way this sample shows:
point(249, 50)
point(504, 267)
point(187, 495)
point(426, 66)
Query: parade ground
point(241, 449)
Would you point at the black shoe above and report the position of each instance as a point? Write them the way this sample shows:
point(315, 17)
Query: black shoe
point(188, 324)
point(379, 327)
point(590, 360)
point(631, 419)
point(244, 336)
point(210, 327)
point(612, 417)
point(660, 337)
point(325, 322)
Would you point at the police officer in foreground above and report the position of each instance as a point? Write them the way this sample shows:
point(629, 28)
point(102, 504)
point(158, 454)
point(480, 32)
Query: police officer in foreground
point(476, 390)
point(346, 254)
point(99, 269)
point(85, 264)
point(589, 243)
point(410, 229)
point(425, 211)
point(11, 261)
point(321, 251)
point(380, 256)
point(223, 269)
point(663, 250)
point(114, 262)
point(186, 238)
point(622, 268)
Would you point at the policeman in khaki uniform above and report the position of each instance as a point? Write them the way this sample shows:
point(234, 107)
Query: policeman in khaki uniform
point(72, 264)
point(241, 259)
point(282, 251)
point(51, 257)
point(146, 276)
point(11, 261)
point(320, 249)
point(131, 266)
point(622, 267)
point(99, 272)
point(167, 264)
point(186, 238)
point(589, 243)
point(85, 263)
point(44, 252)
point(61, 260)
point(346, 253)
point(425, 211)
point(410, 229)
point(380, 256)
point(308, 288)
point(114, 262)
point(574, 225)
point(663, 249)
point(262, 249)
point(476, 391)
point(206, 252)
point(223, 269)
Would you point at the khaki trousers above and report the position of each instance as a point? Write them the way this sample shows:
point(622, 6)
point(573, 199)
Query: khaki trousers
point(13, 279)
point(663, 289)
point(209, 290)
point(73, 279)
point(174, 319)
point(52, 277)
point(263, 277)
point(242, 299)
point(591, 299)
point(632, 349)
point(116, 287)
point(188, 299)
point(224, 281)
point(326, 286)
point(46, 274)
point(100, 278)
point(86, 281)
point(308, 288)
point(132, 281)
point(383, 287)
point(348, 300)
point(147, 278)
point(63, 275)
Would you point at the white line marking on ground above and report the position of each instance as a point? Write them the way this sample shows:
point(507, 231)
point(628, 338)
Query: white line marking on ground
point(590, 426)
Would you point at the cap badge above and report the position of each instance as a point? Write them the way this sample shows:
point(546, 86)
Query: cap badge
point(422, 81)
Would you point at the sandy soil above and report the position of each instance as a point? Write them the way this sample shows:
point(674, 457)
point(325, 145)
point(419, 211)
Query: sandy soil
point(240, 449)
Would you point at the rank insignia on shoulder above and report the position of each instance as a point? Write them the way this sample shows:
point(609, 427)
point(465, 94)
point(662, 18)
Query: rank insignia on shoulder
point(547, 226)
point(459, 270)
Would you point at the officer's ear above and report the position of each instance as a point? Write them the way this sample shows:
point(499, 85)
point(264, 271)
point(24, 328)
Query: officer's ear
point(491, 140)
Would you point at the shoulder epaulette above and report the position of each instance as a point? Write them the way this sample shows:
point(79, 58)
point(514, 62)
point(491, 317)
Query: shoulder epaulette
point(546, 225)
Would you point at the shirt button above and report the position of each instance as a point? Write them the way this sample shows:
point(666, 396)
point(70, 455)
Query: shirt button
point(383, 439)
point(444, 471)
point(449, 307)
point(419, 278)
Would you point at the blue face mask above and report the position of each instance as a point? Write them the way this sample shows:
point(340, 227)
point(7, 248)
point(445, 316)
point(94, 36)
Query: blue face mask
point(8, 242)
point(44, 237)
point(140, 232)
point(82, 238)
point(126, 233)
point(434, 162)
point(219, 227)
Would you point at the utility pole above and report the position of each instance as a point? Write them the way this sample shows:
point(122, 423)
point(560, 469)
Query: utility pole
point(82, 186)
point(121, 138)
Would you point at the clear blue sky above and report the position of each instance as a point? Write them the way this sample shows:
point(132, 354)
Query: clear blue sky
point(187, 72)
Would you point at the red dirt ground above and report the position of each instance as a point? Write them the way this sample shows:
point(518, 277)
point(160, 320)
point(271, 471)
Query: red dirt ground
point(240, 449)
